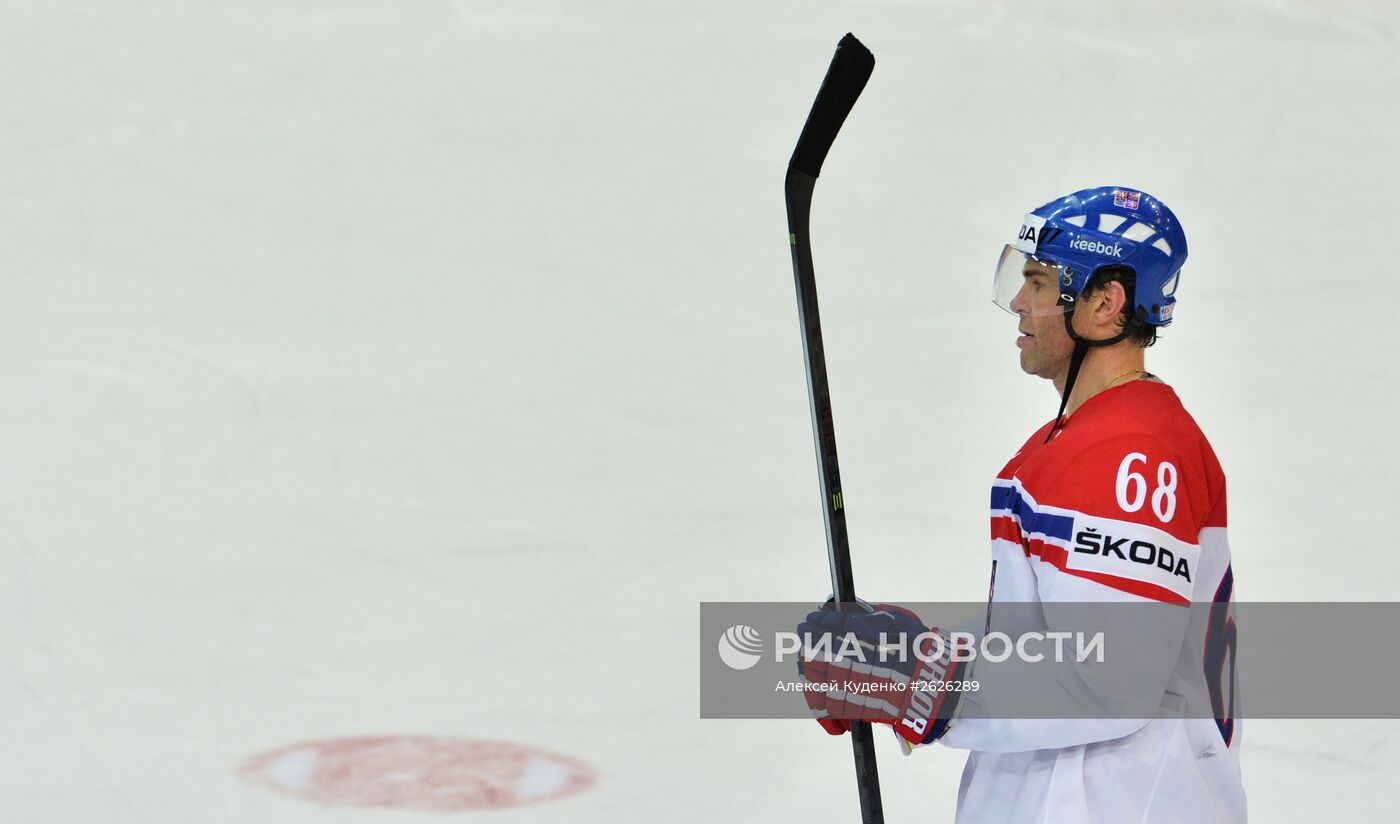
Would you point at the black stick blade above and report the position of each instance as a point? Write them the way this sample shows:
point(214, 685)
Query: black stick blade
point(845, 79)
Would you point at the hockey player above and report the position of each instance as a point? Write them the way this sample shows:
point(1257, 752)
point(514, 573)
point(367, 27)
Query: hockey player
point(1090, 279)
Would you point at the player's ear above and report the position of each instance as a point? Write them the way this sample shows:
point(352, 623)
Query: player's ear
point(1113, 298)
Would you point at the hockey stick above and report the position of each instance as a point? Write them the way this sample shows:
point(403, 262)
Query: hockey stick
point(850, 69)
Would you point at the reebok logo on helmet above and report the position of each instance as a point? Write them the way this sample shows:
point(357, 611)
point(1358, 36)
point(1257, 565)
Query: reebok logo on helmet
point(1096, 247)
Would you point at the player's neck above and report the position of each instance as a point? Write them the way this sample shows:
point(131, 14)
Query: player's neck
point(1103, 369)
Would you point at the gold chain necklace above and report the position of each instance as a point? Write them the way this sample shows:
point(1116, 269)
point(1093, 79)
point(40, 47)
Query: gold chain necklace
point(1124, 375)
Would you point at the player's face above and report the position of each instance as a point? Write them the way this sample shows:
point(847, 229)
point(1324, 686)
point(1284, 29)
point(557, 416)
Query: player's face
point(1044, 344)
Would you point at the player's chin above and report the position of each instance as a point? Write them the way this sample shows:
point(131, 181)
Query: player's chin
point(1028, 364)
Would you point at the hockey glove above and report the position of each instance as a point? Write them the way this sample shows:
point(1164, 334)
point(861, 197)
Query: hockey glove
point(883, 666)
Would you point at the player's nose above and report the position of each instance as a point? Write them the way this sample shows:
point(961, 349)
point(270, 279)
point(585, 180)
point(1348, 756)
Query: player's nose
point(1018, 303)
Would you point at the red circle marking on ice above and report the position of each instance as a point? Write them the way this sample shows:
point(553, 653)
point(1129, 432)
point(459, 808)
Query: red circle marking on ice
point(417, 773)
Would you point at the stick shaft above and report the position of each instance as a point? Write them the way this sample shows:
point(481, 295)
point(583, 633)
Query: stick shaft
point(850, 69)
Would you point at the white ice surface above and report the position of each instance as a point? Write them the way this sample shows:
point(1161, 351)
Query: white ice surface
point(414, 367)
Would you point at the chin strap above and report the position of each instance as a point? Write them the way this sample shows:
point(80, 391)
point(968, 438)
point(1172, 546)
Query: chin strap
point(1081, 348)
point(1076, 360)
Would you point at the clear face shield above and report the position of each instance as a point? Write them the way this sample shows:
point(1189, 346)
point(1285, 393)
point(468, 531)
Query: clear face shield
point(1027, 285)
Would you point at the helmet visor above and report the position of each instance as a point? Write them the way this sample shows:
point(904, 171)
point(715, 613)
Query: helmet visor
point(1027, 285)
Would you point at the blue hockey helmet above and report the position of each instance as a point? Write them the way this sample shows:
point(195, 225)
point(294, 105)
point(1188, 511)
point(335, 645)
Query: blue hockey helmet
point(1092, 229)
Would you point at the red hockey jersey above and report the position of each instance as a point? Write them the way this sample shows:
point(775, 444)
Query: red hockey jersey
point(1126, 503)
point(1128, 495)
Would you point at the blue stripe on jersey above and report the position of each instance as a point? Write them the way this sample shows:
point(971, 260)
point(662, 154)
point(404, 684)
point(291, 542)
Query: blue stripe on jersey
point(1006, 499)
